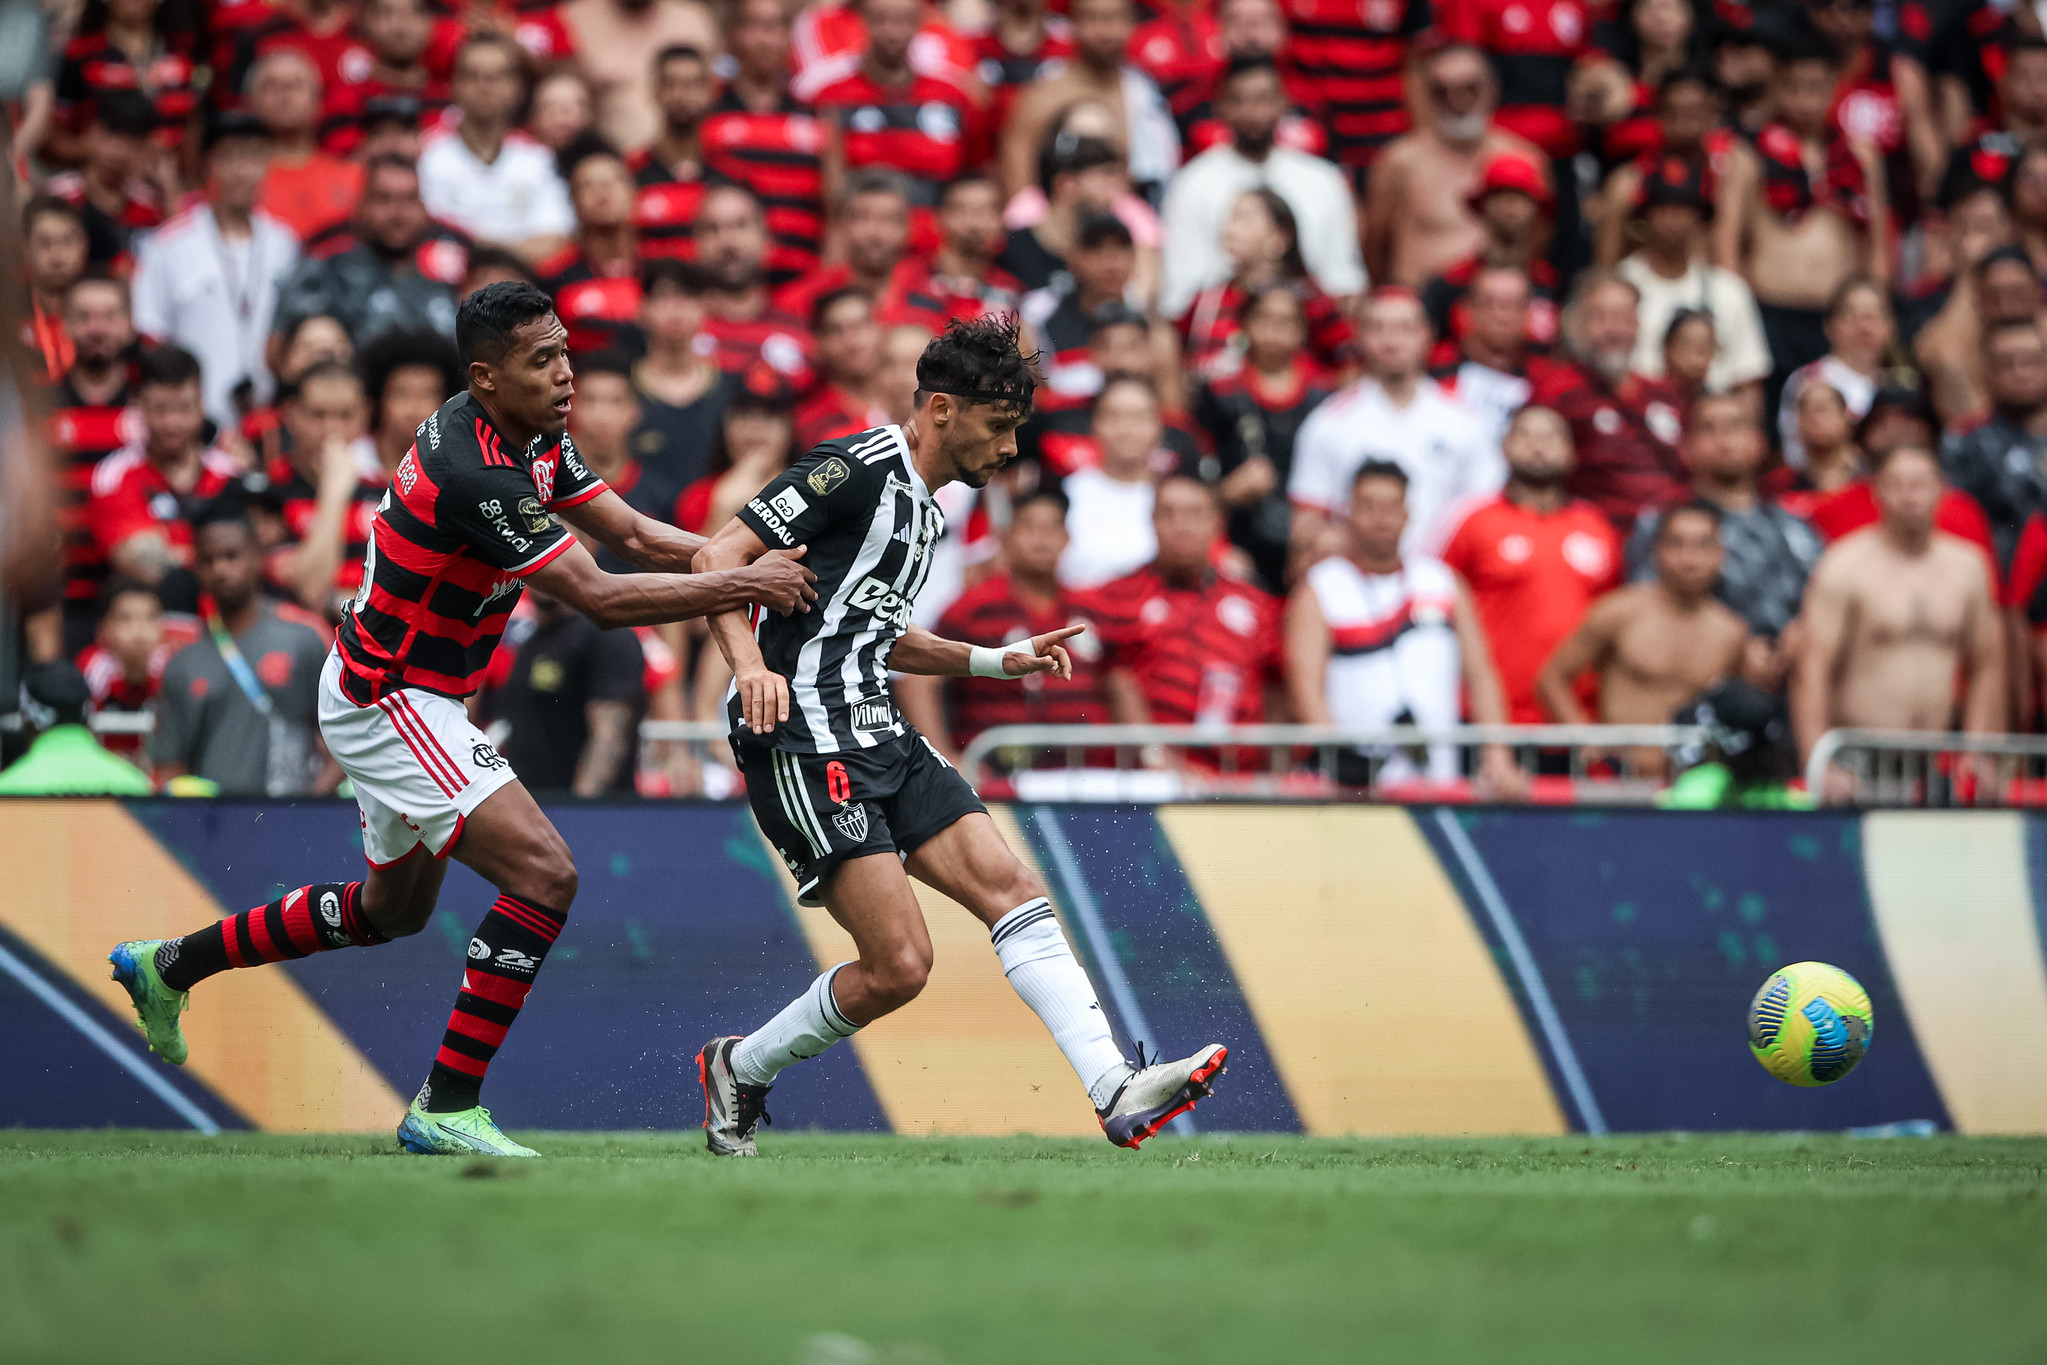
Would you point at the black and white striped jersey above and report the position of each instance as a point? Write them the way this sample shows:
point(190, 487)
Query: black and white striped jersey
point(862, 508)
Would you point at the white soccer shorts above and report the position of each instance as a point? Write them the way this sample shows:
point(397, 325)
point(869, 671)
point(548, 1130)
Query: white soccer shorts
point(419, 767)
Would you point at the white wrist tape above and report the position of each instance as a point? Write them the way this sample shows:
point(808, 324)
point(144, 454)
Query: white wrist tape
point(985, 661)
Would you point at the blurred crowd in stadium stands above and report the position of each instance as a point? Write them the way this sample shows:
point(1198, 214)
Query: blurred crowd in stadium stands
point(1509, 360)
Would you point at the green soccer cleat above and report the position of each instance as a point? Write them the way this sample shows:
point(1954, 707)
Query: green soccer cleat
point(157, 1006)
point(460, 1132)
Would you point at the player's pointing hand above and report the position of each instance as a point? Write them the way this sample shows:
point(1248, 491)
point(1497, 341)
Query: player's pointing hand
point(1046, 656)
point(783, 585)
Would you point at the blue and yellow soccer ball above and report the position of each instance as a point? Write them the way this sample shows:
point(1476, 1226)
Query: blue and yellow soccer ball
point(1810, 1024)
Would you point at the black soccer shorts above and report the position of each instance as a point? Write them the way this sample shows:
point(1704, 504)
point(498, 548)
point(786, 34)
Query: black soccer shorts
point(820, 809)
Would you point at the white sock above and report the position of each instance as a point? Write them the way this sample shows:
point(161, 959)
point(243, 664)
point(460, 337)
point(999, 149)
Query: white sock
point(806, 1026)
point(1042, 969)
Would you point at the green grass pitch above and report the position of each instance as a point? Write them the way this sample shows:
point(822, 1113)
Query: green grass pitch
point(638, 1247)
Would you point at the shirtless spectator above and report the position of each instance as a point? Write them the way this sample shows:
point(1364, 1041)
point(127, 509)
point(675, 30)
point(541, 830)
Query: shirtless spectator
point(613, 40)
point(1534, 558)
point(1654, 645)
point(1804, 210)
point(1199, 201)
point(1896, 614)
point(1395, 414)
point(1514, 207)
point(1378, 637)
point(1769, 552)
point(1859, 330)
point(1625, 427)
point(1418, 216)
point(2001, 289)
point(1998, 460)
point(1099, 71)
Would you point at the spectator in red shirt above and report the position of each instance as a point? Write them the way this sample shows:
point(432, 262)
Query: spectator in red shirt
point(732, 245)
point(144, 494)
point(90, 419)
point(1252, 29)
point(390, 64)
point(595, 278)
point(116, 189)
point(1625, 428)
point(849, 363)
point(326, 490)
point(670, 171)
point(758, 134)
point(54, 247)
point(1534, 558)
point(124, 664)
point(1024, 600)
point(1181, 644)
point(886, 113)
point(962, 279)
point(305, 189)
point(871, 228)
point(142, 45)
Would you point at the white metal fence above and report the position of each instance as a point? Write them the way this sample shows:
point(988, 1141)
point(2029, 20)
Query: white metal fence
point(1917, 769)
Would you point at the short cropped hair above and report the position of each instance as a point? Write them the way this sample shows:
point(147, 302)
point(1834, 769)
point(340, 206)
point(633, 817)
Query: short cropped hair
point(1379, 469)
point(1699, 505)
point(686, 277)
point(979, 361)
point(488, 318)
point(169, 366)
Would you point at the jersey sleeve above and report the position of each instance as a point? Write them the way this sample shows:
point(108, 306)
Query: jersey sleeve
point(494, 511)
point(823, 488)
point(573, 481)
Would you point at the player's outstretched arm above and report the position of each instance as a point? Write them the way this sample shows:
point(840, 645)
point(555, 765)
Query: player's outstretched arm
point(919, 651)
point(775, 581)
point(634, 537)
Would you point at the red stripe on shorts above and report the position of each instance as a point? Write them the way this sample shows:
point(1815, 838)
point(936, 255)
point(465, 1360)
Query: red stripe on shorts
point(403, 725)
point(433, 740)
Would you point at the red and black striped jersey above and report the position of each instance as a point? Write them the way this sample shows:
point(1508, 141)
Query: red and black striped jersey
point(830, 413)
point(1303, 127)
point(779, 155)
point(664, 208)
point(1182, 53)
point(1210, 325)
point(1006, 73)
point(1201, 653)
point(1353, 50)
point(1533, 44)
point(130, 496)
point(923, 296)
point(297, 499)
point(465, 520)
point(341, 112)
point(92, 65)
point(777, 339)
point(110, 237)
point(990, 614)
point(930, 130)
point(82, 434)
point(598, 310)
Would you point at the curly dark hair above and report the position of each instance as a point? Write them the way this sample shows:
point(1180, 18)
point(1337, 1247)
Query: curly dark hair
point(403, 348)
point(981, 361)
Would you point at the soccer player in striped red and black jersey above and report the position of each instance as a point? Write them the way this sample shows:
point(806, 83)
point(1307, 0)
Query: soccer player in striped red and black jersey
point(1352, 51)
point(91, 417)
point(758, 134)
point(886, 113)
point(473, 513)
point(595, 279)
point(670, 170)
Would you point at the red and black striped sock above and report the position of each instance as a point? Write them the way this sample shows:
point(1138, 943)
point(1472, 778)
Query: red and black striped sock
point(311, 919)
point(507, 951)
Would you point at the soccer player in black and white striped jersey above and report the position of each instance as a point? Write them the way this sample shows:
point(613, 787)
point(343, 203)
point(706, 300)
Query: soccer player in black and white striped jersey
point(855, 800)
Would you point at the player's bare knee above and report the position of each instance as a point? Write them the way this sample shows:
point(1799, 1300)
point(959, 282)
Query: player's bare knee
point(546, 875)
point(899, 977)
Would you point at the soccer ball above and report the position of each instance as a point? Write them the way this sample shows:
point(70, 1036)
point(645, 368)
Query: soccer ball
point(1810, 1024)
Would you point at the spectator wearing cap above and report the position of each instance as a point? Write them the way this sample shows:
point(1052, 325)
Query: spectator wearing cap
point(1860, 330)
point(1100, 71)
point(741, 318)
point(1418, 215)
point(64, 759)
point(1081, 177)
point(1058, 321)
point(115, 188)
point(1748, 760)
point(682, 392)
point(849, 397)
point(1026, 598)
point(210, 279)
point(1109, 514)
point(1252, 101)
point(395, 37)
point(393, 266)
point(238, 709)
point(1514, 205)
point(1670, 272)
point(484, 176)
point(304, 188)
point(1624, 427)
point(145, 494)
point(871, 224)
point(595, 278)
point(1997, 460)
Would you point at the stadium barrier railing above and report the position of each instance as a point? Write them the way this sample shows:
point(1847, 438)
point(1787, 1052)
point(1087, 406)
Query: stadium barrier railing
point(1923, 770)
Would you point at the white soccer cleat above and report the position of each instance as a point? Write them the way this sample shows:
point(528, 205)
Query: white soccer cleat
point(732, 1108)
point(1155, 1095)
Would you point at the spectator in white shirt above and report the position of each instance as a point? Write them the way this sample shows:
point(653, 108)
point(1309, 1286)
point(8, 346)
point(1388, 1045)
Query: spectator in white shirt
point(1252, 100)
point(1672, 273)
point(483, 175)
point(1398, 415)
point(207, 280)
point(1108, 505)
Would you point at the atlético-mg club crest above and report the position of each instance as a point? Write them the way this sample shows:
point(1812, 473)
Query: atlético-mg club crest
point(852, 821)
